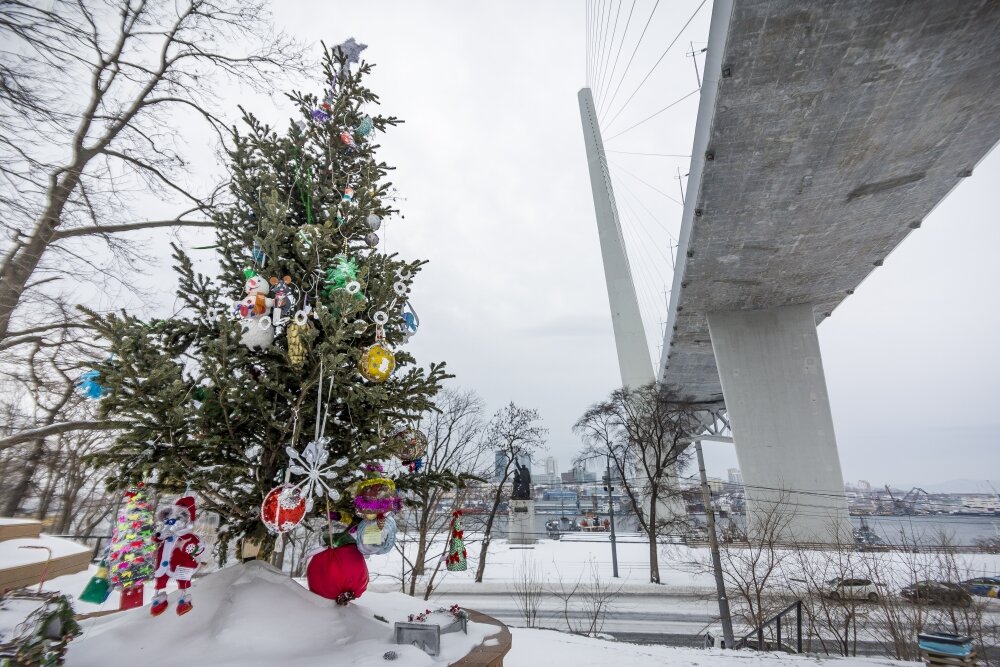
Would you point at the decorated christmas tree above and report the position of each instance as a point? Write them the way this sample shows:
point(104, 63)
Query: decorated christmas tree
point(132, 544)
point(280, 382)
point(456, 559)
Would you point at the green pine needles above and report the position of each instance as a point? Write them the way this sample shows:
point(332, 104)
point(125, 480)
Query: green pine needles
point(207, 412)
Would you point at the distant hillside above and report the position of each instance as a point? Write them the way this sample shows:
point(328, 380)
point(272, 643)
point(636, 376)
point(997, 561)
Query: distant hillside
point(962, 486)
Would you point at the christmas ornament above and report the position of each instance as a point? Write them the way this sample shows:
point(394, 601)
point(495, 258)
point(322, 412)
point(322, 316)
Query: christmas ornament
point(298, 339)
point(283, 508)
point(312, 463)
point(308, 235)
point(365, 127)
point(132, 546)
point(375, 496)
point(344, 271)
point(338, 573)
point(87, 384)
point(377, 362)
point(177, 552)
point(283, 299)
point(320, 116)
point(347, 139)
point(351, 50)
point(410, 322)
point(371, 239)
point(256, 330)
point(131, 597)
point(98, 588)
point(456, 559)
point(374, 222)
point(410, 447)
point(377, 537)
point(348, 195)
point(257, 253)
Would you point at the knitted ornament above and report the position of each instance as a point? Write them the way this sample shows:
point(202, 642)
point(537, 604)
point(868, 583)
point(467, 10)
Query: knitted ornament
point(283, 508)
point(456, 559)
point(131, 554)
point(338, 573)
point(365, 127)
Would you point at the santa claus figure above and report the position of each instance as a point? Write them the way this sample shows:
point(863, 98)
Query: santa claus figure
point(176, 554)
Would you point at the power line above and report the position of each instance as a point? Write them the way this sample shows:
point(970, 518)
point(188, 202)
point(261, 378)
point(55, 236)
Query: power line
point(650, 117)
point(601, 110)
point(662, 56)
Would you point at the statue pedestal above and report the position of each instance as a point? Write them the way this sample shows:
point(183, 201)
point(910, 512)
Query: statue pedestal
point(521, 522)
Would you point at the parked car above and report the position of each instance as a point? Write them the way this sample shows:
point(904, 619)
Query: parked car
point(852, 589)
point(937, 592)
point(987, 587)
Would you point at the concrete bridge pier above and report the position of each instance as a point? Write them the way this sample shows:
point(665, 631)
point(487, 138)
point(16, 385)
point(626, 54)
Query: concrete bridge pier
point(779, 412)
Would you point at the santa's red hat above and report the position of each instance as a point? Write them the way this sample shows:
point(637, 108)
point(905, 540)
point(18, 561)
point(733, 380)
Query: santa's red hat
point(187, 502)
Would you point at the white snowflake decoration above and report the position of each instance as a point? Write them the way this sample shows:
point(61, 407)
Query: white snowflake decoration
point(312, 463)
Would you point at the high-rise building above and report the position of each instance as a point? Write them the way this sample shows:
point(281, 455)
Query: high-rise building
point(735, 476)
point(551, 465)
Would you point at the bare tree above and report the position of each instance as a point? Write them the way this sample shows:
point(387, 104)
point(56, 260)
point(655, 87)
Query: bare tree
point(92, 92)
point(527, 590)
point(512, 432)
point(643, 433)
point(453, 433)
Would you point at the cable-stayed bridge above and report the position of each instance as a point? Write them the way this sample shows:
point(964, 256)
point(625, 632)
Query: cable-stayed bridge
point(826, 132)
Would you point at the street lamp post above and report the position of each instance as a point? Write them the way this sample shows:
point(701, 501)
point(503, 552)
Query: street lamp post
point(611, 518)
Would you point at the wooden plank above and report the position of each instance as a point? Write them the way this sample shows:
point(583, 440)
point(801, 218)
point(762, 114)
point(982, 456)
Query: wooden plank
point(26, 528)
point(23, 576)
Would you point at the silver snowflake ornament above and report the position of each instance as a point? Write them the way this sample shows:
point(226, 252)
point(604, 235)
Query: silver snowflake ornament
point(312, 464)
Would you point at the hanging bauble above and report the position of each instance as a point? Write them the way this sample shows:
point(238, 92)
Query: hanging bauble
point(374, 222)
point(338, 573)
point(283, 508)
point(365, 127)
point(348, 140)
point(258, 253)
point(348, 195)
point(410, 445)
point(371, 239)
point(375, 496)
point(377, 537)
point(88, 385)
point(377, 362)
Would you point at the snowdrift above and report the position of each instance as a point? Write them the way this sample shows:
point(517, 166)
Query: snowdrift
point(252, 614)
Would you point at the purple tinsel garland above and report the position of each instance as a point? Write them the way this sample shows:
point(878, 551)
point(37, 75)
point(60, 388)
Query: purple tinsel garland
point(376, 505)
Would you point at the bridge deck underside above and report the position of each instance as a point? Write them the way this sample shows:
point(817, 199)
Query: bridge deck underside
point(841, 125)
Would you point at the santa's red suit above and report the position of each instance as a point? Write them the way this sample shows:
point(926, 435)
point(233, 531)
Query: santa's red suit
point(176, 551)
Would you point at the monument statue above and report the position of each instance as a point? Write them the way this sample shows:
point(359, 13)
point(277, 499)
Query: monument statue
point(522, 482)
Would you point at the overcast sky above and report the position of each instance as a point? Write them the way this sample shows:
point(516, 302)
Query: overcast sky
point(492, 167)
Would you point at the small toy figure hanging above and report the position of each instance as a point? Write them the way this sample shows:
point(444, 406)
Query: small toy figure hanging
point(283, 300)
point(176, 555)
point(257, 333)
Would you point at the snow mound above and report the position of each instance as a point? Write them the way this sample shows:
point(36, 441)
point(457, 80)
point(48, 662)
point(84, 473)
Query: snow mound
point(252, 614)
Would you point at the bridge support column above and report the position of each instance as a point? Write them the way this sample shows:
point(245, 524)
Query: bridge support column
point(779, 411)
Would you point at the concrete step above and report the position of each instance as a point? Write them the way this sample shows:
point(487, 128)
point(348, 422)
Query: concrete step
point(11, 529)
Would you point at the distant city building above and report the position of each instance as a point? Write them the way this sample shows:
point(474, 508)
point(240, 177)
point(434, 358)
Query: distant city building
point(864, 486)
point(500, 464)
point(551, 465)
point(735, 476)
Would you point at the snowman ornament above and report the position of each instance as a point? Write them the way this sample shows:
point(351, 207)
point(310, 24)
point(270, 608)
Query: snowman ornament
point(257, 330)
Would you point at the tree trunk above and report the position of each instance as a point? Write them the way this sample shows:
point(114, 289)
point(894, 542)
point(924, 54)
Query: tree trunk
point(20, 490)
point(481, 568)
point(22, 260)
point(654, 558)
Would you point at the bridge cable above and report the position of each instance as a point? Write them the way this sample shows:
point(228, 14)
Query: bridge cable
point(621, 44)
point(602, 111)
point(602, 75)
point(650, 117)
point(648, 185)
point(598, 39)
point(647, 154)
point(662, 56)
point(649, 235)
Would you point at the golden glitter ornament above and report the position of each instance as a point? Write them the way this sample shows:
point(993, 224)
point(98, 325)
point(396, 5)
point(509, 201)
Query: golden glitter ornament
point(298, 347)
point(377, 362)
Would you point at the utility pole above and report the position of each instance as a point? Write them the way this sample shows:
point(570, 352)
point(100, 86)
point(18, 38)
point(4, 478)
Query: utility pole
point(713, 542)
point(611, 518)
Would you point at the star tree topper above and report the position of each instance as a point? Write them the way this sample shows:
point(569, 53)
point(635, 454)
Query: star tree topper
point(352, 49)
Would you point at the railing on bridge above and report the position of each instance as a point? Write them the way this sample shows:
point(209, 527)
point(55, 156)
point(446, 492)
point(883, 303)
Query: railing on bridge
point(755, 639)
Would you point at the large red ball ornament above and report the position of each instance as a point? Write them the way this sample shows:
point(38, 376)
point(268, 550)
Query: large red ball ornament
point(284, 508)
point(338, 574)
